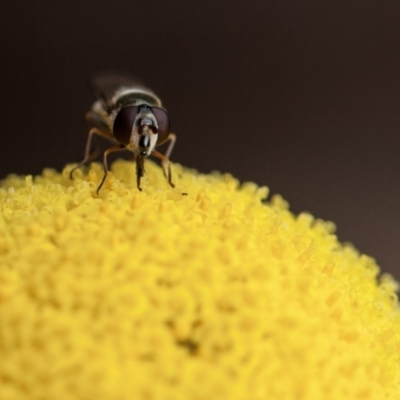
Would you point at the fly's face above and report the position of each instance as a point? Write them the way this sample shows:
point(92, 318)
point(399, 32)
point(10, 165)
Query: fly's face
point(140, 128)
point(131, 115)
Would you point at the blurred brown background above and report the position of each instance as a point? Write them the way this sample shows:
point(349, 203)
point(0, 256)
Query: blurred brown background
point(301, 96)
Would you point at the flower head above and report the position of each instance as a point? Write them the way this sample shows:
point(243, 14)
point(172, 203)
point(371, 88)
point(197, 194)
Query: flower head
point(206, 291)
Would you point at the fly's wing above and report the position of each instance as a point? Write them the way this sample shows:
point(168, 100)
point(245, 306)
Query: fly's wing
point(105, 84)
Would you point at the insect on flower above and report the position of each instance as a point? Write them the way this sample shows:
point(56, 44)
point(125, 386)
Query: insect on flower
point(133, 117)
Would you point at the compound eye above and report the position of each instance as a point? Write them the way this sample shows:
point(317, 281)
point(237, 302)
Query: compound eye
point(123, 124)
point(164, 126)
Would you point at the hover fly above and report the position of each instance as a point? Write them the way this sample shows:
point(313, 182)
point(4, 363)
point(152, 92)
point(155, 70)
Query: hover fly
point(132, 116)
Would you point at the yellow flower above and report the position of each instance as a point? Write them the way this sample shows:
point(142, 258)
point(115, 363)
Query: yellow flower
point(206, 291)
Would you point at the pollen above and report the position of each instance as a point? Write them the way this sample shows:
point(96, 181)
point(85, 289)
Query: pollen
point(209, 290)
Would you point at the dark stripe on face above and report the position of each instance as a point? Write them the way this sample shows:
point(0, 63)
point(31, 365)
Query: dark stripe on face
point(144, 142)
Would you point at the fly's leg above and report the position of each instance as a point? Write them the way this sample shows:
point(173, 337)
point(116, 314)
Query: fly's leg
point(113, 149)
point(165, 158)
point(99, 127)
point(88, 154)
point(172, 139)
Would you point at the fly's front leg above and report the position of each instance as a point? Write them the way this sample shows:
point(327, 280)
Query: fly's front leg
point(87, 155)
point(113, 149)
point(87, 152)
point(99, 127)
point(172, 139)
point(165, 163)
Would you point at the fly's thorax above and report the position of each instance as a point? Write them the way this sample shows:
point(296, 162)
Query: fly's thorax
point(125, 97)
point(135, 97)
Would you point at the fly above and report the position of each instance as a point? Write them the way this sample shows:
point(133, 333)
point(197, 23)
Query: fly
point(132, 116)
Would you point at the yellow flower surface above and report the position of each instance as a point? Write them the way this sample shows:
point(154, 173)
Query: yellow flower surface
point(205, 291)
